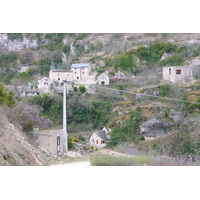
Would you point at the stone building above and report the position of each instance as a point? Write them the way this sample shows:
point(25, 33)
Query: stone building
point(79, 74)
point(28, 92)
point(50, 140)
point(98, 139)
point(103, 79)
point(177, 73)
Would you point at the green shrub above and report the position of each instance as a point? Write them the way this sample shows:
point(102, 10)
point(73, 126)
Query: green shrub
point(164, 90)
point(15, 36)
point(6, 97)
point(82, 88)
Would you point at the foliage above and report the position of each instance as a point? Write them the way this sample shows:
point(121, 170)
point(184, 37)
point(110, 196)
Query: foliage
point(66, 48)
point(128, 130)
point(25, 78)
point(101, 70)
point(174, 60)
point(80, 36)
point(97, 114)
point(164, 89)
point(82, 88)
point(154, 52)
point(178, 144)
point(51, 105)
point(6, 97)
point(46, 63)
point(70, 142)
point(55, 37)
point(15, 36)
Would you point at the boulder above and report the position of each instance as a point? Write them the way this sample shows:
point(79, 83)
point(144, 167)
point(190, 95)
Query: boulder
point(153, 128)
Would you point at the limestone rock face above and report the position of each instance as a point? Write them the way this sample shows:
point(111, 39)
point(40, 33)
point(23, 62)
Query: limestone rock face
point(153, 128)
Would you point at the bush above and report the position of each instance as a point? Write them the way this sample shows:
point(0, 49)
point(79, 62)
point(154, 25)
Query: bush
point(82, 88)
point(6, 97)
point(164, 90)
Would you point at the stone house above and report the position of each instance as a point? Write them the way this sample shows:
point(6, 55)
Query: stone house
point(50, 140)
point(98, 139)
point(177, 73)
point(27, 92)
point(44, 84)
point(79, 74)
point(103, 79)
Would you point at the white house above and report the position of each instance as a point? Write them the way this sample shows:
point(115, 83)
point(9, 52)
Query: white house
point(44, 84)
point(177, 73)
point(103, 79)
point(98, 139)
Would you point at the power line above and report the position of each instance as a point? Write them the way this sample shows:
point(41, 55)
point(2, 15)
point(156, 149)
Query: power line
point(166, 98)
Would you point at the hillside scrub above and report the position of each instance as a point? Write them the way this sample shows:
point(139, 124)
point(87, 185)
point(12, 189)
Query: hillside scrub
point(128, 130)
point(6, 96)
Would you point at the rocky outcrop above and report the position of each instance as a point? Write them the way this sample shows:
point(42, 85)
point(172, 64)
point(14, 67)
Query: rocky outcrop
point(16, 45)
point(153, 128)
point(177, 117)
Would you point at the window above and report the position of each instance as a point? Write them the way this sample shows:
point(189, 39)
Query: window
point(92, 140)
point(96, 141)
point(178, 71)
point(75, 72)
point(58, 140)
point(77, 77)
point(83, 72)
point(58, 78)
point(170, 71)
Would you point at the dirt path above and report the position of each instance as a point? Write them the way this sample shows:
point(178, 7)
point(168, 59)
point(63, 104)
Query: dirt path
point(83, 163)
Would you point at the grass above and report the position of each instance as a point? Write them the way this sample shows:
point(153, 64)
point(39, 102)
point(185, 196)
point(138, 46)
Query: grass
point(141, 159)
point(104, 160)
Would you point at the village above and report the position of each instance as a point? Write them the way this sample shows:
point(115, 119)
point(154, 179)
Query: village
point(81, 74)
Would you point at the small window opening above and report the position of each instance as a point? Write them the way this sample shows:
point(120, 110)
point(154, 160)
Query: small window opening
point(170, 71)
point(178, 71)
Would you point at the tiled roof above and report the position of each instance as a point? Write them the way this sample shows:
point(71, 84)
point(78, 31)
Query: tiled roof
point(80, 65)
point(101, 134)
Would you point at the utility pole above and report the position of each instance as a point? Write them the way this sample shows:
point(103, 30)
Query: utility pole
point(65, 137)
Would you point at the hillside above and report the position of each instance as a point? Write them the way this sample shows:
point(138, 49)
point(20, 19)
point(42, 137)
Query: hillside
point(146, 113)
point(14, 146)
